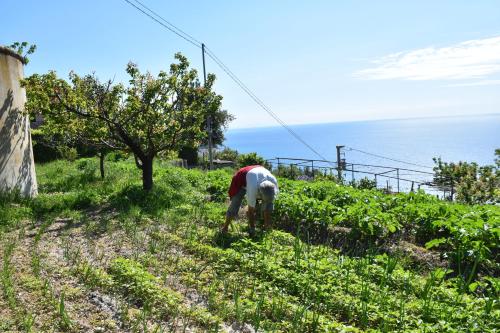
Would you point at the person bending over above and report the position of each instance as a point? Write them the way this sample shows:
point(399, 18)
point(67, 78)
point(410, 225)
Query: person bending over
point(257, 183)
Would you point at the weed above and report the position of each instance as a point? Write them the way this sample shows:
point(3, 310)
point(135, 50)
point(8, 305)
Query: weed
point(64, 321)
point(7, 275)
point(29, 322)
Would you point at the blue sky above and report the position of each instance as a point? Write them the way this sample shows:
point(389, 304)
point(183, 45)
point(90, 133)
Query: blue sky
point(309, 61)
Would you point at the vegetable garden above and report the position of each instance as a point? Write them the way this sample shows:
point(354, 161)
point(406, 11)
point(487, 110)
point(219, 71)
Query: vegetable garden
point(102, 255)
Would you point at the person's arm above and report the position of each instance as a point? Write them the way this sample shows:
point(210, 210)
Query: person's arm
point(252, 201)
point(267, 212)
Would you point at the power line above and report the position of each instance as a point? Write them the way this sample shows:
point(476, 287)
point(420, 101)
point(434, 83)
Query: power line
point(259, 101)
point(187, 37)
point(388, 158)
point(166, 24)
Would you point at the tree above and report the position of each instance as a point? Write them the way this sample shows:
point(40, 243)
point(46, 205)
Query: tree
point(149, 116)
point(244, 160)
point(472, 184)
point(227, 154)
point(64, 128)
point(219, 121)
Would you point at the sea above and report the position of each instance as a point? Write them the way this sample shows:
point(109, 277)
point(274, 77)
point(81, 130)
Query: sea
point(406, 144)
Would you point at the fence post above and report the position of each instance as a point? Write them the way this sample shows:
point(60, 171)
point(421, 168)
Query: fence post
point(452, 190)
point(397, 172)
point(339, 163)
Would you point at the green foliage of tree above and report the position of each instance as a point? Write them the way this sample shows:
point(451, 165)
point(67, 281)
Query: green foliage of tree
point(149, 116)
point(471, 183)
point(300, 172)
point(190, 154)
point(220, 121)
point(364, 184)
point(227, 154)
point(251, 159)
point(71, 112)
point(20, 47)
point(43, 152)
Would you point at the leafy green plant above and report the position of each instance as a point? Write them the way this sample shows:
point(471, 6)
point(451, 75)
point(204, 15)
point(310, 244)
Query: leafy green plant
point(7, 275)
point(29, 322)
point(472, 184)
point(278, 281)
point(251, 159)
point(364, 184)
point(469, 234)
point(64, 321)
point(19, 48)
point(145, 290)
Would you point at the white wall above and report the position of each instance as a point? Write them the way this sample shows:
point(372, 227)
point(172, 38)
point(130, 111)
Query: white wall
point(17, 167)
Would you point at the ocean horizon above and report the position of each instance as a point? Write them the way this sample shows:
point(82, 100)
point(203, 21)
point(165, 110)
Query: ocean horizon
point(370, 120)
point(416, 141)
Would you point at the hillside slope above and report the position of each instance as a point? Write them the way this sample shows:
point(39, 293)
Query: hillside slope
point(92, 255)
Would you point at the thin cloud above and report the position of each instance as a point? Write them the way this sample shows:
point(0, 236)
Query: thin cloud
point(475, 83)
point(472, 59)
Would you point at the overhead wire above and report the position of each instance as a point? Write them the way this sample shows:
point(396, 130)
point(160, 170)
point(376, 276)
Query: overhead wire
point(388, 158)
point(179, 30)
point(257, 100)
point(188, 38)
point(166, 24)
point(192, 40)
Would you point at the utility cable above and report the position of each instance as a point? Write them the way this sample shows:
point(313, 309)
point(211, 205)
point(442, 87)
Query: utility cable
point(260, 102)
point(388, 158)
point(190, 39)
point(168, 25)
point(179, 32)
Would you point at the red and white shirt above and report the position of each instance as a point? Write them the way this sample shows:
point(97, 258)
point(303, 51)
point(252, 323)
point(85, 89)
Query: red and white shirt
point(250, 178)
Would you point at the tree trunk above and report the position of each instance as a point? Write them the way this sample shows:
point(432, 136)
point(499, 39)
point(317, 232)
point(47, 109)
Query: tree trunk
point(101, 163)
point(147, 174)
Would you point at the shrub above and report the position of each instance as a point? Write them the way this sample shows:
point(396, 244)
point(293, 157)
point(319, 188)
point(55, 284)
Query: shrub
point(227, 154)
point(252, 159)
point(364, 184)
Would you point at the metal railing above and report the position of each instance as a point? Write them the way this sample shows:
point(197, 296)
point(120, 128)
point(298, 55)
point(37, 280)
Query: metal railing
point(405, 179)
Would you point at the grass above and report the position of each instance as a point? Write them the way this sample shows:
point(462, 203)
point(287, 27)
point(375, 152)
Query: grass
point(7, 275)
point(160, 263)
